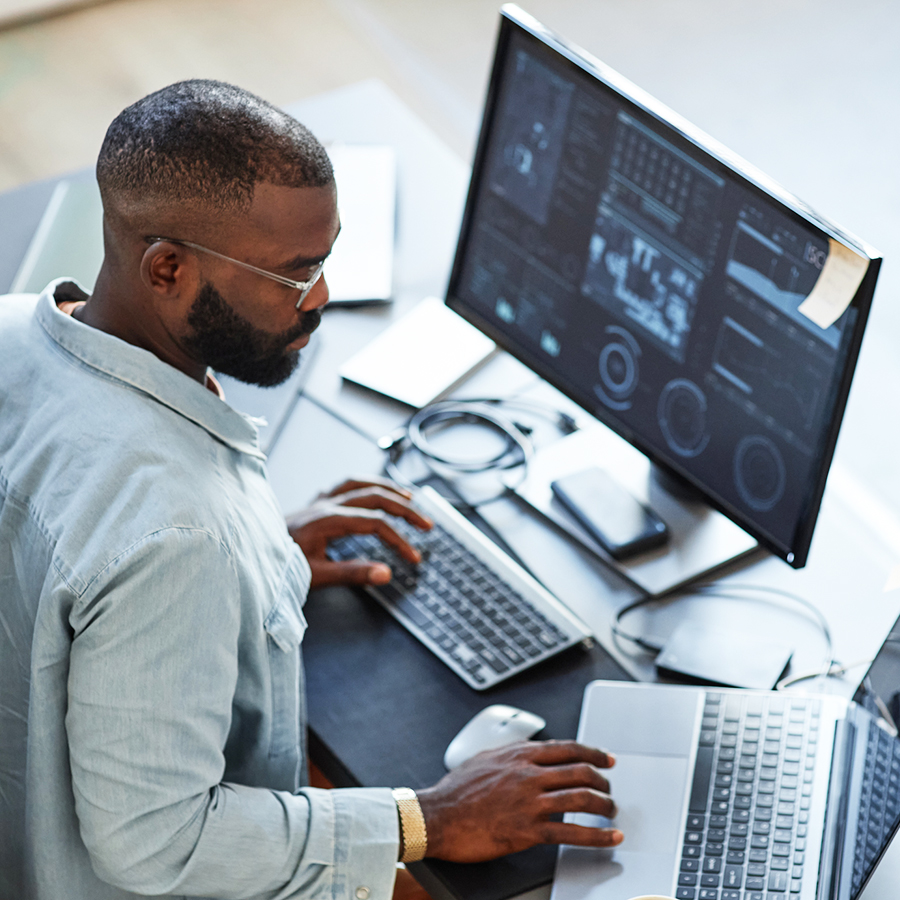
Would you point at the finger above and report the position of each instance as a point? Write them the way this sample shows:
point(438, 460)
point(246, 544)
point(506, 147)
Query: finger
point(357, 571)
point(364, 521)
point(556, 778)
point(552, 753)
point(585, 800)
point(580, 835)
point(355, 484)
point(379, 498)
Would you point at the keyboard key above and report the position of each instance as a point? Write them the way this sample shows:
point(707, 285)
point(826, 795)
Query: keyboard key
point(684, 893)
point(702, 778)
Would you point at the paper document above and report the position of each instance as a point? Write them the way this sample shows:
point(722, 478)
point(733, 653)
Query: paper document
point(421, 357)
point(836, 286)
point(361, 266)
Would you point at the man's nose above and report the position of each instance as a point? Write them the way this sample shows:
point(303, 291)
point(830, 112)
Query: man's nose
point(317, 297)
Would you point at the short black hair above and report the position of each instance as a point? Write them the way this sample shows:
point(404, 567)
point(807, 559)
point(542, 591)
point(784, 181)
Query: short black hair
point(207, 143)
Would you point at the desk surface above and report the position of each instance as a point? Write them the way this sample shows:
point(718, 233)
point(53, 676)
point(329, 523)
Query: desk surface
point(382, 709)
point(355, 650)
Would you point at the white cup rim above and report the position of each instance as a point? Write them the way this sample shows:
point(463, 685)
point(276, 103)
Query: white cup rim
point(653, 897)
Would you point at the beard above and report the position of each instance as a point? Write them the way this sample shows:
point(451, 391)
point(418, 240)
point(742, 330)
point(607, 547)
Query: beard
point(226, 342)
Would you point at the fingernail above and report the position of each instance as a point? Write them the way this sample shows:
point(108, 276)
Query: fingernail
point(617, 836)
point(379, 574)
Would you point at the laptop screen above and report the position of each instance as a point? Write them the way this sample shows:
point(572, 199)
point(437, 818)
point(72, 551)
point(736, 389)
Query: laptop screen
point(879, 693)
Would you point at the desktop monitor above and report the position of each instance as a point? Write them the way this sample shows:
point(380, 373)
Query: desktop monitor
point(677, 294)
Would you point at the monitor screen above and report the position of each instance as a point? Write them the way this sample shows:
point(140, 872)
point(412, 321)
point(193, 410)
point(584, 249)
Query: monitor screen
point(657, 280)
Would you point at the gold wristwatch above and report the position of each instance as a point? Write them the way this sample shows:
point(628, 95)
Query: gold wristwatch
point(412, 825)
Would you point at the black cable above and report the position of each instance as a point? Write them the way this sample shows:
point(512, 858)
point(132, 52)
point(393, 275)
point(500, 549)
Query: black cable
point(516, 452)
point(716, 589)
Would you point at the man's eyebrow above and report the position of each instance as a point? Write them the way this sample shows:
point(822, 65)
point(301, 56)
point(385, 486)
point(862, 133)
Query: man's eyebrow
point(301, 262)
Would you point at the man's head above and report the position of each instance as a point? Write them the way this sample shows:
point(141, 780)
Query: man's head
point(210, 164)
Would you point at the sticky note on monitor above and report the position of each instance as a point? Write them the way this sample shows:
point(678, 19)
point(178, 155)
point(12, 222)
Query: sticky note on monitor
point(836, 286)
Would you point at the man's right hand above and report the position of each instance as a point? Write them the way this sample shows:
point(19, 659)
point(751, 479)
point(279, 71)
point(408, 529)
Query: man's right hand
point(503, 800)
point(358, 506)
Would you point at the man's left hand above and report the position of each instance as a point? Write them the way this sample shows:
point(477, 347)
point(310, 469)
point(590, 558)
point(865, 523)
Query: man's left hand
point(355, 507)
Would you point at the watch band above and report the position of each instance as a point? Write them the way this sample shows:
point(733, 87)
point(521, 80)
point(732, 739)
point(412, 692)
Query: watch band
point(412, 825)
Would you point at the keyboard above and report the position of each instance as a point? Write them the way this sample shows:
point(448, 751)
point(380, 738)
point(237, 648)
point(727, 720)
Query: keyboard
point(879, 804)
point(467, 601)
point(747, 821)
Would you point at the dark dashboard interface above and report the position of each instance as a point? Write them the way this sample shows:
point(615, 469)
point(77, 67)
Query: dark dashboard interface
point(657, 286)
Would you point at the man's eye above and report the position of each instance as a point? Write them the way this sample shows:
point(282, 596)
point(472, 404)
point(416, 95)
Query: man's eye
point(304, 274)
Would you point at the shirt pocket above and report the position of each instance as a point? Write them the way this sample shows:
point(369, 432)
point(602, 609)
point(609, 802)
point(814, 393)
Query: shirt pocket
point(285, 626)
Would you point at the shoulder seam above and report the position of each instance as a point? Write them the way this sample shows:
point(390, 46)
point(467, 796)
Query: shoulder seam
point(149, 536)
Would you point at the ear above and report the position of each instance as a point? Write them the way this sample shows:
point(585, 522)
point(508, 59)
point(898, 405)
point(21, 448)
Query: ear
point(169, 271)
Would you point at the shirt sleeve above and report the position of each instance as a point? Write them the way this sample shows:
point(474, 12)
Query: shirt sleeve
point(153, 669)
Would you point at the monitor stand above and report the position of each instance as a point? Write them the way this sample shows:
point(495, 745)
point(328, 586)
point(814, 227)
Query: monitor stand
point(701, 541)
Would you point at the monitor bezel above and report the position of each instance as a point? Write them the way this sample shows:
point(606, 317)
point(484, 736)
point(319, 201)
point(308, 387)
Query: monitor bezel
point(514, 21)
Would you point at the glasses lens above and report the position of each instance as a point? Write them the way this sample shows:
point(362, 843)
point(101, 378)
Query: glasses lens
point(311, 282)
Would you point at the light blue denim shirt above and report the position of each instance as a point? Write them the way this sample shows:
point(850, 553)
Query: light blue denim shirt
point(152, 712)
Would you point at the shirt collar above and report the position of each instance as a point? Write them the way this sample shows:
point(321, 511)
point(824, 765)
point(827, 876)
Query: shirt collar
point(142, 370)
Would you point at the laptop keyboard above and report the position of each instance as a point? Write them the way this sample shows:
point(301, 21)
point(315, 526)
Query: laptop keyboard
point(879, 802)
point(459, 601)
point(749, 807)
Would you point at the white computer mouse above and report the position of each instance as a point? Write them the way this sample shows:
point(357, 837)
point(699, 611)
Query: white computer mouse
point(494, 726)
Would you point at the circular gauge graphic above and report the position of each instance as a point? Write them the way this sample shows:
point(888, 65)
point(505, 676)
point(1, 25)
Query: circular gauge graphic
point(681, 414)
point(619, 370)
point(572, 266)
point(759, 472)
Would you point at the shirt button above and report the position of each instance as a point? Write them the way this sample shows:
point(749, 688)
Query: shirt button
point(362, 893)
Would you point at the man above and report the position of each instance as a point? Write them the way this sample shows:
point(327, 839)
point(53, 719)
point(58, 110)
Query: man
point(152, 726)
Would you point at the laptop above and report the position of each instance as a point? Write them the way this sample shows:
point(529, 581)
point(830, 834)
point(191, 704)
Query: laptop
point(728, 794)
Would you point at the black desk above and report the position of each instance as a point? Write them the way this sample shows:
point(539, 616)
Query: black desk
point(382, 709)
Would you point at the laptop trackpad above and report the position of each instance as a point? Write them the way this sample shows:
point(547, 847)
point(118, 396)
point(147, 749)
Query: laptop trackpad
point(649, 792)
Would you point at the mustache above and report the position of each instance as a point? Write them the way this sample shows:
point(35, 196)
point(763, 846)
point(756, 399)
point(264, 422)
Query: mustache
point(309, 322)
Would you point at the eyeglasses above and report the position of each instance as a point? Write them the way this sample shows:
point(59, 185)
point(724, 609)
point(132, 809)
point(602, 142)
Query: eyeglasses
point(303, 286)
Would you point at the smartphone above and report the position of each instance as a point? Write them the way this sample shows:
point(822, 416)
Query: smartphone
point(615, 518)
